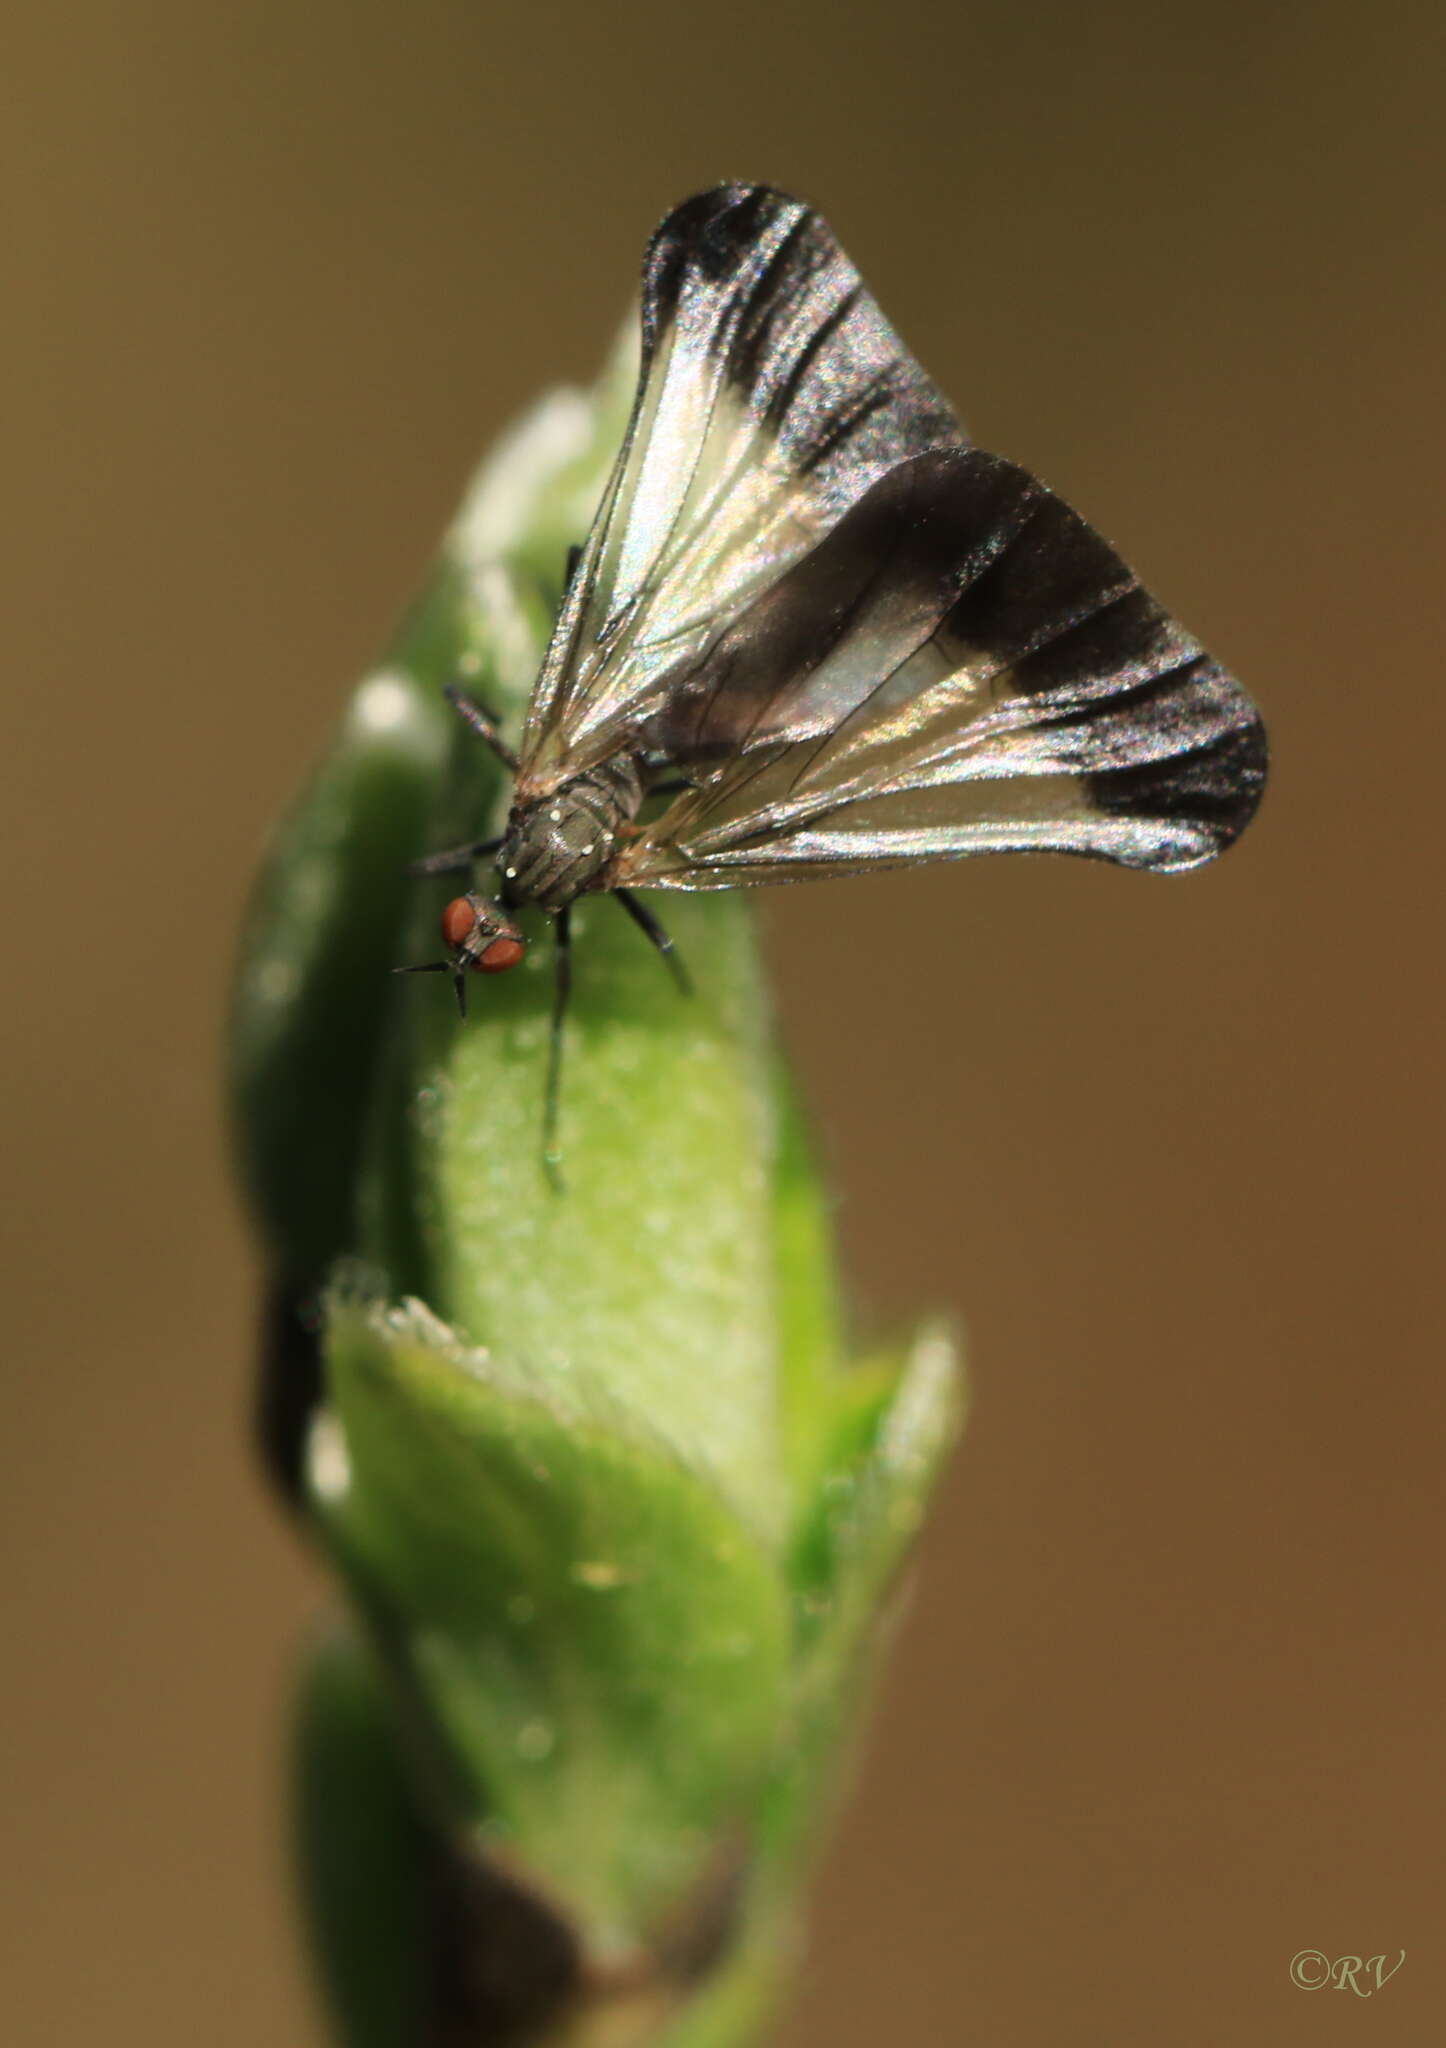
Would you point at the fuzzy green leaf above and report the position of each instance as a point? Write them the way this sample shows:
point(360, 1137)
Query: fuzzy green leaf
point(601, 1646)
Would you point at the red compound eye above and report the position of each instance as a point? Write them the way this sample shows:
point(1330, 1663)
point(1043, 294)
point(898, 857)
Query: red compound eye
point(499, 956)
point(457, 921)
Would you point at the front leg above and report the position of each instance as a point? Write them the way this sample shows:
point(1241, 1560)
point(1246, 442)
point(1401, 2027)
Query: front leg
point(454, 860)
point(483, 722)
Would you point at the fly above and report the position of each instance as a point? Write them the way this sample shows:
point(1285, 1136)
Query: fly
point(833, 632)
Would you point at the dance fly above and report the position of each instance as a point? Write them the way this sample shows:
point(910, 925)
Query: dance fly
point(827, 633)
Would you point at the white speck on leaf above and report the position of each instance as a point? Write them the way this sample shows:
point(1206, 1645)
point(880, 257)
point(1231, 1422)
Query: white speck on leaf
point(535, 1740)
point(599, 1575)
point(382, 704)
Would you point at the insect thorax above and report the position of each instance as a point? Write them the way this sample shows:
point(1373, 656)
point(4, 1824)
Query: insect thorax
point(557, 846)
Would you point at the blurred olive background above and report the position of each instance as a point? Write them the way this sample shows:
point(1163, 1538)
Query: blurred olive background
point(1168, 1705)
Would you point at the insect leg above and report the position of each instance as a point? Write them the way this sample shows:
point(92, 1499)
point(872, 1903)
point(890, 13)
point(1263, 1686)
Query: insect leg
point(574, 556)
point(454, 860)
point(562, 989)
point(483, 723)
point(650, 926)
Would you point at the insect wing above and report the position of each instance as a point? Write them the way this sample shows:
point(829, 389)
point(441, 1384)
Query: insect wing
point(772, 393)
point(962, 665)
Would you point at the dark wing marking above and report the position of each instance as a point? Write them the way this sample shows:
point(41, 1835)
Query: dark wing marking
point(772, 394)
point(961, 665)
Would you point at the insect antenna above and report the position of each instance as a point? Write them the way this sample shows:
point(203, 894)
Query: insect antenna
point(458, 974)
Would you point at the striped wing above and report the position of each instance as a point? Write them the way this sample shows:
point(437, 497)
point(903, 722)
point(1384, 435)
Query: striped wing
point(961, 665)
point(772, 394)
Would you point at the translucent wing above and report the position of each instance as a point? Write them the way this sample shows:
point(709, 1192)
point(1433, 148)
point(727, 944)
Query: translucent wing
point(772, 393)
point(960, 666)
